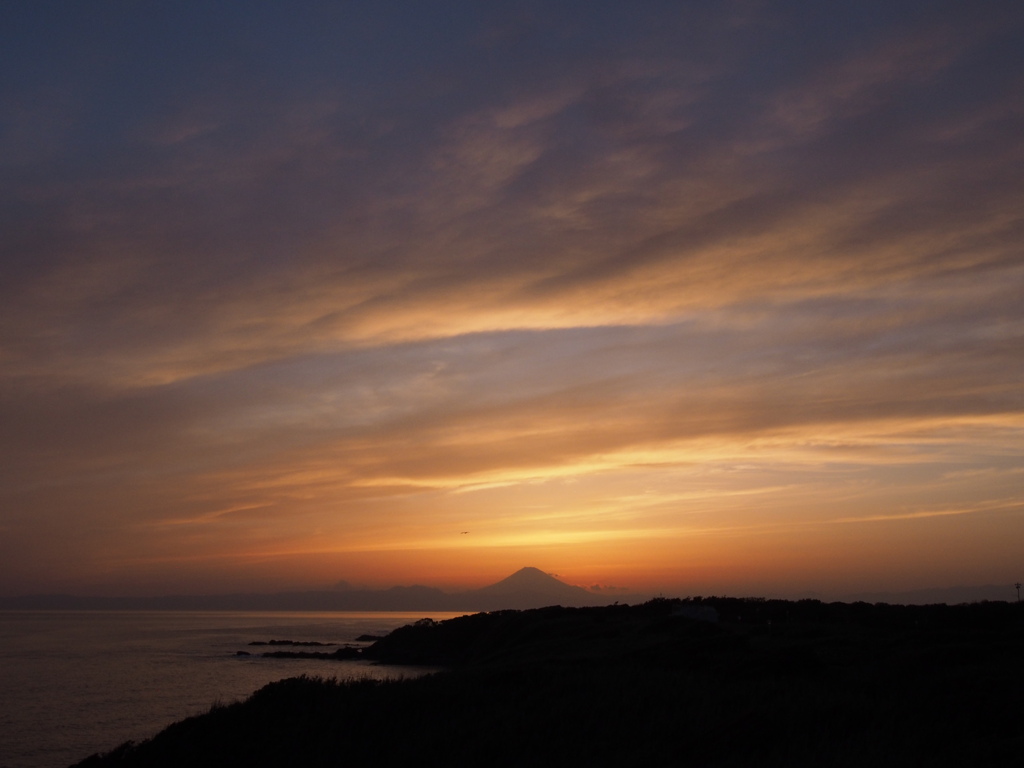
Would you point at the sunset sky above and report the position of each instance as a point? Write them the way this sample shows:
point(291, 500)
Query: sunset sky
point(685, 297)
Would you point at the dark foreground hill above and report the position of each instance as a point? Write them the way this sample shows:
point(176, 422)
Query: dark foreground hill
point(713, 682)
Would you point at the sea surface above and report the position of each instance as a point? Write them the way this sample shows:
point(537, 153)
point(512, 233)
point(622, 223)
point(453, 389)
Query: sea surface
point(73, 683)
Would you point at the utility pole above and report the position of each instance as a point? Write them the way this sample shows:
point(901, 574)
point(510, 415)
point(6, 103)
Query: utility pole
point(1017, 585)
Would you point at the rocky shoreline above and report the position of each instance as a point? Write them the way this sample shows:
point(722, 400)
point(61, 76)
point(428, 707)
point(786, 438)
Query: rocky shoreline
point(710, 682)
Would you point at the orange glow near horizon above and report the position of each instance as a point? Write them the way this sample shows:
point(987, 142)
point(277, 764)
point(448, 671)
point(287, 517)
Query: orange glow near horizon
point(765, 517)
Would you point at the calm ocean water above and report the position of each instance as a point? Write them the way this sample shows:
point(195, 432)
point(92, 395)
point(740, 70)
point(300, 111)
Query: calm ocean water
point(77, 682)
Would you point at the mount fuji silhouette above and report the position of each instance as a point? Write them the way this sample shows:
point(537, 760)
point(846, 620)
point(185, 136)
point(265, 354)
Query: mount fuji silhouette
point(524, 589)
point(529, 588)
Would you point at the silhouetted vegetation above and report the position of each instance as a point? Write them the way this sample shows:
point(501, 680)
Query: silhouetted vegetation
point(705, 682)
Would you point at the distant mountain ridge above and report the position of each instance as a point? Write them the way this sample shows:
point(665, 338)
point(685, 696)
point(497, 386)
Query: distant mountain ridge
point(526, 588)
point(531, 588)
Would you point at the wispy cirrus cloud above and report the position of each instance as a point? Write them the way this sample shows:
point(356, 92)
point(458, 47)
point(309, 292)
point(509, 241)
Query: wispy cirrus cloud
point(298, 295)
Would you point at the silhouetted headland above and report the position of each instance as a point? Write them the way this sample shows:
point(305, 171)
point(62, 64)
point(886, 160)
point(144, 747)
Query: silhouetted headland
point(304, 643)
point(701, 681)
